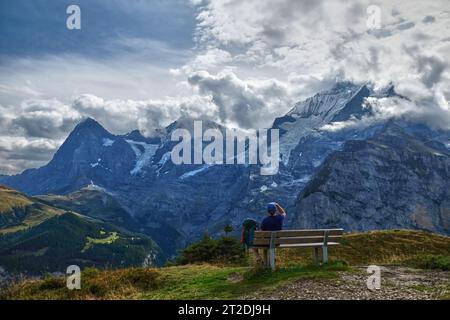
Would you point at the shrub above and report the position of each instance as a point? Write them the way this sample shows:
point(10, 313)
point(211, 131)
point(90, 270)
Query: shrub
point(145, 279)
point(102, 284)
point(228, 229)
point(226, 250)
point(97, 289)
point(52, 284)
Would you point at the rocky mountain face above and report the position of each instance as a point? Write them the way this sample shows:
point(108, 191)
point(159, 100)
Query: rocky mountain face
point(305, 143)
point(89, 153)
point(373, 176)
point(392, 180)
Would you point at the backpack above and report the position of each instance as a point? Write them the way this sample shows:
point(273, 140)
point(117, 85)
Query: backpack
point(248, 232)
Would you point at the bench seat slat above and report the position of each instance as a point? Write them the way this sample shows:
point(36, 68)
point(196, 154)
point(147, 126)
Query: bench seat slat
point(299, 233)
point(295, 240)
point(307, 245)
point(300, 245)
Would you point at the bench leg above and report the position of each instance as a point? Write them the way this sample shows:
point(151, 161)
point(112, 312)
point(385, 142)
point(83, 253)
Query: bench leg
point(325, 254)
point(265, 258)
point(316, 256)
point(272, 258)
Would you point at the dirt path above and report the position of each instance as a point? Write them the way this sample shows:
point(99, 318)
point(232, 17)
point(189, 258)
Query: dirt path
point(396, 283)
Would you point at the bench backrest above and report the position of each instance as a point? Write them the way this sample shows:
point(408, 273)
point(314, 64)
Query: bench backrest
point(324, 236)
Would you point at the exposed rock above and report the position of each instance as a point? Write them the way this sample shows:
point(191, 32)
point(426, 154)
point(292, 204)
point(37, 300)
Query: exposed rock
point(393, 180)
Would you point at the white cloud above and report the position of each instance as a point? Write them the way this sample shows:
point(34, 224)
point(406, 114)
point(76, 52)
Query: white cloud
point(20, 153)
point(424, 110)
point(67, 76)
point(252, 60)
point(324, 39)
point(121, 116)
point(207, 60)
point(248, 104)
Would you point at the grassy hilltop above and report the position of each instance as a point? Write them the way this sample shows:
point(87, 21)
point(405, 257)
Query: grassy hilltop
point(36, 237)
point(224, 281)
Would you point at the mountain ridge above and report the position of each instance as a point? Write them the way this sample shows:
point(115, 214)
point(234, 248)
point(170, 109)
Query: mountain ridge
point(176, 204)
point(418, 198)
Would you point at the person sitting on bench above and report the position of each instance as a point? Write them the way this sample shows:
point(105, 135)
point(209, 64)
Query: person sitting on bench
point(273, 222)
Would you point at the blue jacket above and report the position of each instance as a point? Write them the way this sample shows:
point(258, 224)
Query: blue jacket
point(272, 223)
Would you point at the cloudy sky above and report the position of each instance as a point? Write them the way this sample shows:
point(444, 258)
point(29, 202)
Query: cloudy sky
point(144, 63)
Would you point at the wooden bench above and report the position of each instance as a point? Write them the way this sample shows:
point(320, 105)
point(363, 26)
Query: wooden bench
point(319, 238)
